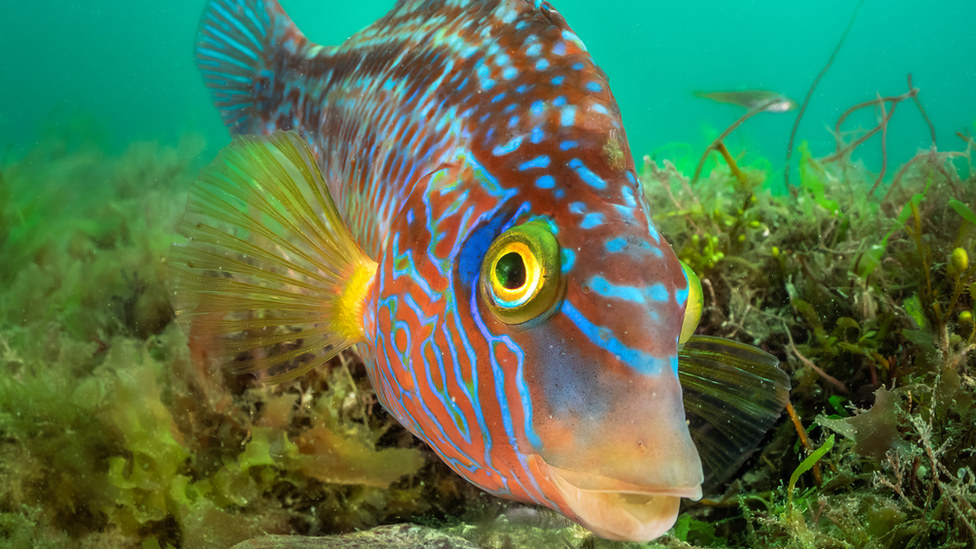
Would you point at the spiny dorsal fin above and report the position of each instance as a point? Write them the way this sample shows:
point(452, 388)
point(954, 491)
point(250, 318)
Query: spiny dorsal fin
point(235, 50)
point(270, 279)
point(733, 393)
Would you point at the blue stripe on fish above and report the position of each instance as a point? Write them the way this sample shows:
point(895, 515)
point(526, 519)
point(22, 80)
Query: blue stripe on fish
point(641, 362)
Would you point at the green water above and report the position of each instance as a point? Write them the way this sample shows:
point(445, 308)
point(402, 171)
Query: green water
point(113, 435)
point(130, 66)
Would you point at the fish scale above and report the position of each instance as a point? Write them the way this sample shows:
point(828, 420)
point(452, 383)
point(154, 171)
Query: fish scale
point(456, 137)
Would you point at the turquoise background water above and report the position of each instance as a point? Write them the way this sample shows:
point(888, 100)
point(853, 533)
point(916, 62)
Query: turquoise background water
point(129, 66)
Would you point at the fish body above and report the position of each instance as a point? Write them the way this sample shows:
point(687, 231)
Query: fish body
point(515, 306)
point(764, 100)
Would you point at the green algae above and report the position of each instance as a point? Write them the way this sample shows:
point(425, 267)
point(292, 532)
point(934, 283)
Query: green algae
point(114, 429)
point(868, 303)
point(117, 431)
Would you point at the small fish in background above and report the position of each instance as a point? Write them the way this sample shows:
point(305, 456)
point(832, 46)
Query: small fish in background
point(452, 192)
point(751, 99)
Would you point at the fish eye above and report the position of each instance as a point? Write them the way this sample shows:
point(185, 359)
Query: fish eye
point(520, 275)
point(693, 309)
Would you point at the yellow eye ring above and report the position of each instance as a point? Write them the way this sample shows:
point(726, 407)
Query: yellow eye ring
point(520, 275)
point(515, 274)
point(694, 306)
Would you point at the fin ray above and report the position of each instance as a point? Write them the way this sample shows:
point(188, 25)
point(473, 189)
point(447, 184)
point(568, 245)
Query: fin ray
point(733, 393)
point(236, 42)
point(249, 249)
point(213, 260)
point(264, 278)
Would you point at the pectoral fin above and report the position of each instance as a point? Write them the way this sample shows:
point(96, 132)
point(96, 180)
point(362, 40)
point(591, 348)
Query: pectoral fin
point(733, 393)
point(270, 279)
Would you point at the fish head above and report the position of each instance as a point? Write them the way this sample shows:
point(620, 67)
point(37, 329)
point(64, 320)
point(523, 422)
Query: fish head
point(597, 313)
point(784, 104)
point(532, 342)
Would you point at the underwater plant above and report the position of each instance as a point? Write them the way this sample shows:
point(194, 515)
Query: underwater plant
point(113, 430)
point(813, 87)
point(869, 301)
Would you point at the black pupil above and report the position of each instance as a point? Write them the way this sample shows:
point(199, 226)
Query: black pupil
point(510, 271)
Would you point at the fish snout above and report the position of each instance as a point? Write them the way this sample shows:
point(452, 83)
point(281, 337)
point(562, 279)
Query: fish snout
point(617, 511)
point(623, 471)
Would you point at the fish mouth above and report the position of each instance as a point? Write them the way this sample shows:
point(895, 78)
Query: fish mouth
point(617, 510)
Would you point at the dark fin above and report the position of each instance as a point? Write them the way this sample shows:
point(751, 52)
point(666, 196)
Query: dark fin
point(235, 48)
point(270, 280)
point(733, 394)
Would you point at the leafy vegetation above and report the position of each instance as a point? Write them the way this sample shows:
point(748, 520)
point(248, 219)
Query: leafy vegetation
point(868, 302)
point(115, 429)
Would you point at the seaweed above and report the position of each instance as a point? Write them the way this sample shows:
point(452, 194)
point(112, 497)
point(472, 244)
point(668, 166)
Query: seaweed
point(115, 429)
point(813, 86)
point(868, 302)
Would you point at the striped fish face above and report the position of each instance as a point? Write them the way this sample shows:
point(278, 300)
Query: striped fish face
point(579, 398)
point(550, 377)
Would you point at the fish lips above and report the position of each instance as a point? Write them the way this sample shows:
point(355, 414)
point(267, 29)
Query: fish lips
point(613, 509)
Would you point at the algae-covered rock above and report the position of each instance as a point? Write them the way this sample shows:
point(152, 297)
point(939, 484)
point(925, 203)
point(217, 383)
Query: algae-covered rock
point(399, 536)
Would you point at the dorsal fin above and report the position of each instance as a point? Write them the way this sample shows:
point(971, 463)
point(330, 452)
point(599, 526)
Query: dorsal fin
point(235, 50)
point(270, 279)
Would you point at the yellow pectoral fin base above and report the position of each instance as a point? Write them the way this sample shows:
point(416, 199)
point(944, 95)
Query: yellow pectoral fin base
point(270, 280)
point(733, 393)
point(349, 306)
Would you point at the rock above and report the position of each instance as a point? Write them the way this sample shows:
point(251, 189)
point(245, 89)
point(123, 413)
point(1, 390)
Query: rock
point(397, 536)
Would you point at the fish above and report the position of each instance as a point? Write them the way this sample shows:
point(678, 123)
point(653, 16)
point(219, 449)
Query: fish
point(451, 192)
point(762, 100)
